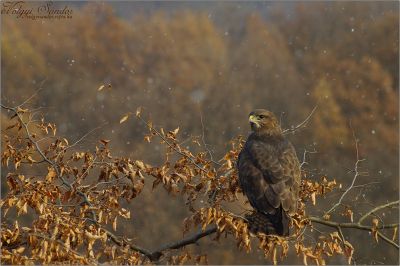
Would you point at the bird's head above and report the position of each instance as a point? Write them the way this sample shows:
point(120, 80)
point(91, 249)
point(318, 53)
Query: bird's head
point(264, 122)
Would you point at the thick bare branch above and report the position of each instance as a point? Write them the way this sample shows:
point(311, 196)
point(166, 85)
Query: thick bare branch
point(157, 253)
point(120, 242)
point(184, 242)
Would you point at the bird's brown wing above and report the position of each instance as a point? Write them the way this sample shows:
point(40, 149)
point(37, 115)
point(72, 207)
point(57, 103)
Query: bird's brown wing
point(254, 185)
point(270, 175)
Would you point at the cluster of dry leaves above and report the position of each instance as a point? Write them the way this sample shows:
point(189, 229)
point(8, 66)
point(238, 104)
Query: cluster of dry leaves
point(70, 200)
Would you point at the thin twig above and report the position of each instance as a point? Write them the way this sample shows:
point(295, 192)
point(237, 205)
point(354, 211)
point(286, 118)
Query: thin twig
point(51, 163)
point(357, 226)
point(105, 183)
point(357, 174)
point(302, 124)
point(377, 209)
point(204, 142)
point(178, 150)
point(304, 157)
point(349, 225)
point(85, 172)
point(385, 238)
point(33, 95)
point(85, 135)
point(68, 249)
point(366, 184)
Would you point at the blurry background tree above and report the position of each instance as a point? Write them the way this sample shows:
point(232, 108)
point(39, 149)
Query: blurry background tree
point(203, 67)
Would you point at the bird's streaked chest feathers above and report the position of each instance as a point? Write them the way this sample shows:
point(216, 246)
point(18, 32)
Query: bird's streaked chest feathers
point(271, 145)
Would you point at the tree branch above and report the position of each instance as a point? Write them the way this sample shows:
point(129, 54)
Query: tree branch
point(302, 124)
point(16, 110)
point(385, 238)
point(178, 150)
point(184, 242)
point(204, 141)
point(62, 244)
point(157, 253)
point(304, 162)
point(349, 225)
point(377, 209)
point(85, 135)
point(120, 242)
point(357, 174)
point(338, 225)
point(153, 256)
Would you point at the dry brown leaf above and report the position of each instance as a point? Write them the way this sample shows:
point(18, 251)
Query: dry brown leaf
point(375, 222)
point(140, 164)
point(176, 131)
point(138, 111)
point(114, 224)
point(20, 250)
point(313, 198)
point(348, 250)
point(326, 216)
point(105, 141)
point(147, 138)
point(124, 118)
point(51, 174)
point(29, 158)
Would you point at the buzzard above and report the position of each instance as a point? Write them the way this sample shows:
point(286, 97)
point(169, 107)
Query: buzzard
point(269, 175)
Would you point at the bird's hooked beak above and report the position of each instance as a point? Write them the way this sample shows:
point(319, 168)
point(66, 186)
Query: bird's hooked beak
point(254, 121)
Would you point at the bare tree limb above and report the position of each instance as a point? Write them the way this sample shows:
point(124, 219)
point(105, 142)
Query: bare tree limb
point(349, 225)
point(304, 162)
point(356, 175)
point(186, 241)
point(157, 253)
point(192, 239)
point(204, 142)
point(377, 209)
point(120, 242)
point(302, 124)
point(33, 95)
point(385, 238)
point(30, 97)
point(85, 135)
point(338, 225)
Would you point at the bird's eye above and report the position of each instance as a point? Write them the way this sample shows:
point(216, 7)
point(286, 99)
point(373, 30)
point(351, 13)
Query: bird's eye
point(262, 116)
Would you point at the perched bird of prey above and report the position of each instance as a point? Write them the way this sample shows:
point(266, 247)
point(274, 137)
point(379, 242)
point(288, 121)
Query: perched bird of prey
point(269, 174)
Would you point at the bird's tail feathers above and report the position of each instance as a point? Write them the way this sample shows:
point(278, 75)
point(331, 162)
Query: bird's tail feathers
point(269, 224)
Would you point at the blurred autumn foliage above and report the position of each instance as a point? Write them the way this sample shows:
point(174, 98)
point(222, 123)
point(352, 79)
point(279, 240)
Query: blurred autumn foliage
point(198, 73)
